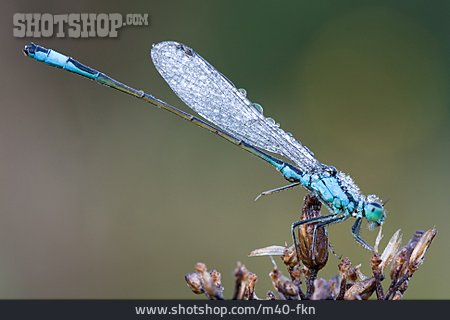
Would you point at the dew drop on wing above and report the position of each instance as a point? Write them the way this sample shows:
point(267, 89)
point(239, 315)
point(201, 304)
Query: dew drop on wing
point(243, 92)
point(239, 118)
point(258, 107)
point(270, 121)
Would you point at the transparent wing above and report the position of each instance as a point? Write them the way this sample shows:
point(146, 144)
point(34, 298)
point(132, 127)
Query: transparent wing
point(214, 97)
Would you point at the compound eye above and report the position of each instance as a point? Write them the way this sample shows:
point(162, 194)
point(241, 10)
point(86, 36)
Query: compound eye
point(374, 212)
point(376, 205)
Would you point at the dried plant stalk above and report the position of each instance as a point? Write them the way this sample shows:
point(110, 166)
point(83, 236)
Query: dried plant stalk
point(350, 284)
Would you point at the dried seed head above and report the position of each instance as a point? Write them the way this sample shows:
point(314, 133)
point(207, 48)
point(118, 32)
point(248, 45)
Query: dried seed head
point(398, 296)
point(216, 278)
point(390, 250)
point(289, 257)
point(375, 263)
point(241, 275)
point(322, 290)
point(290, 289)
point(398, 265)
point(334, 283)
point(285, 287)
point(248, 292)
point(361, 290)
point(418, 254)
point(245, 283)
point(270, 295)
point(352, 275)
point(401, 260)
point(311, 209)
point(202, 281)
point(213, 288)
point(295, 272)
point(275, 274)
point(252, 279)
point(240, 272)
point(344, 266)
point(200, 267)
point(347, 271)
point(404, 286)
point(194, 282)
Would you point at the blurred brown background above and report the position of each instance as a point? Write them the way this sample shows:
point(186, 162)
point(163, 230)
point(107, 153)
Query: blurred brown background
point(102, 196)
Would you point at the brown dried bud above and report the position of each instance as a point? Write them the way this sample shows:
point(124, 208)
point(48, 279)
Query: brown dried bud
point(194, 282)
point(270, 295)
point(285, 287)
point(295, 272)
point(202, 281)
point(241, 275)
point(311, 209)
point(418, 254)
point(290, 289)
point(289, 257)
point(362, 290)
point(200, 267)
point(240, 272)
point(352, 275)
point(347, 271)
point(275, 275)
point(322, 290)
point(251, 282)
point(400, 264)
point(375, 262)
point(215, 277)
point(334, 283)
point(348, 275)
point(391, 249)
point(344, 266)
point(398, 296)
point(404, 286)
point(216, 284)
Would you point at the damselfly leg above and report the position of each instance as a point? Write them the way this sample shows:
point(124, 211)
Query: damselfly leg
point(324, 220)
point(265, 193)
point(355, 231)
point(323, 224)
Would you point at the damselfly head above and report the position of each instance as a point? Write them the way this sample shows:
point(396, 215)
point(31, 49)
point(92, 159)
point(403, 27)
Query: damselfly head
point(30, 49)
point(374, 212)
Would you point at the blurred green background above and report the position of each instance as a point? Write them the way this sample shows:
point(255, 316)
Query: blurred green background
point(102, 196)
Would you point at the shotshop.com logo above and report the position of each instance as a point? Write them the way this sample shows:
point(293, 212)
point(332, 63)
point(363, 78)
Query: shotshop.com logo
point(74, 25)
